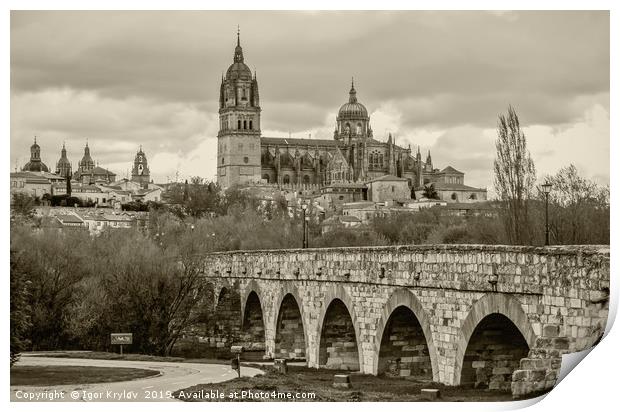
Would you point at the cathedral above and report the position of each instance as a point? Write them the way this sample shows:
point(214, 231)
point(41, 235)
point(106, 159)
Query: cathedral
point(354, 156)
point(88, 172)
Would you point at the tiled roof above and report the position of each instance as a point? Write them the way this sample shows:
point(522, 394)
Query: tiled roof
point(455, 186)
point(285, 141)
point(346, 185)
point(450, 169)
point(389, 178)
point(69, 219)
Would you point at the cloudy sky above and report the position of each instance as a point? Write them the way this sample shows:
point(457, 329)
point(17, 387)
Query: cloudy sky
point(434, 79)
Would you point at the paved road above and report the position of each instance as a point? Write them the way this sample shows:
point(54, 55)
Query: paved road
point(173, 376)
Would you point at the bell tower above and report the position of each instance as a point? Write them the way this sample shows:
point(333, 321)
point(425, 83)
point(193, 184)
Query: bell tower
point(140, 171)
point(238, 141)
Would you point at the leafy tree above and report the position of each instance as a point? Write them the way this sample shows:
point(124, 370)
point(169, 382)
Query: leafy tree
point(201, 197)
point(515, 175)
point(22, 205)
point(430, 192)
point(54, 262)
point(68, 180)
point(20, 309)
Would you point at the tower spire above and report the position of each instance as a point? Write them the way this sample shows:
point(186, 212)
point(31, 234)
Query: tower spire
point(238, 50)
point(352, 93)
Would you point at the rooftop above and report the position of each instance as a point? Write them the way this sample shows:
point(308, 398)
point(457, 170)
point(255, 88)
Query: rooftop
point(450, 169)
point(389, 178)
point(456, 186)
point(284, 141)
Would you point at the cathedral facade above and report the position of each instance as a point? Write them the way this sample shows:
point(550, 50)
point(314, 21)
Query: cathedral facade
point(352, 156)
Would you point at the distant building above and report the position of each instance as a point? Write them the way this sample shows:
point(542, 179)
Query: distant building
point(35, 184)
point(352, 156)
point(63, 166)
point(35, 164)
point(30, 183)
point(388, 188)
point(140, 172)
point(338, 222)
point(88, 173)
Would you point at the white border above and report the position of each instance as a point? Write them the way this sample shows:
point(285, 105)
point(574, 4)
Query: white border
point(592, 386)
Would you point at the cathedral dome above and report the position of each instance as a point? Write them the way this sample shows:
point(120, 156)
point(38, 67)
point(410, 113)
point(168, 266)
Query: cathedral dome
point(35, 167)
point(35, 164)
point(353, 109)
point(238, 70)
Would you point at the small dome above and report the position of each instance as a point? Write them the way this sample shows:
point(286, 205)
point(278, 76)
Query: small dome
point(238, 71)
point(353, 109)
point(35, 167)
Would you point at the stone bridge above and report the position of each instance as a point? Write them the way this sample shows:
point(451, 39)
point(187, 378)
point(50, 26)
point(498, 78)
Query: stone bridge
point(496, 317)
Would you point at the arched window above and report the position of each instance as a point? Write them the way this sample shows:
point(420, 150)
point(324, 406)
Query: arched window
point(239, 124)
point(453, 197)
point(286, 179)
point(245, 124)
point(473, 196)
point(266, 178)
point(359, 128)
point(250, 125)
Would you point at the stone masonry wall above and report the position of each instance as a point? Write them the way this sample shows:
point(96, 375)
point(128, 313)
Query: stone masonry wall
point(559, 291)
point(403, 347)
point(338, 348)
point(253, 332)
point(290, 342)
point(493, 354)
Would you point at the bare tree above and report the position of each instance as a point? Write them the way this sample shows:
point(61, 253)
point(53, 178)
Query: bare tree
point(515, 176)
point(579, 209)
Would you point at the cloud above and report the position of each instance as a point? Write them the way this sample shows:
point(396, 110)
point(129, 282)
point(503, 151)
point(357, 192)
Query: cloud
point(123, 78)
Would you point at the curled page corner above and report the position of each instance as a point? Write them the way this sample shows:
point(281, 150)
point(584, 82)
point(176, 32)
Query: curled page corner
point(569, 361)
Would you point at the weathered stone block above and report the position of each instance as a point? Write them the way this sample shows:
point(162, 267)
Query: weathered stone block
point(429, 394)
point(342, 381)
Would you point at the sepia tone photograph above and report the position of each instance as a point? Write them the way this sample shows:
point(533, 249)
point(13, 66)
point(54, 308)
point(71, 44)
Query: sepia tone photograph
point(306, 206)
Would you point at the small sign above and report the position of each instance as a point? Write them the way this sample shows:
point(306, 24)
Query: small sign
point(121, 338)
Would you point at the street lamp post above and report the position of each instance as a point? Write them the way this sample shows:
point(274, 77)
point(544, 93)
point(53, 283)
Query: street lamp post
point(546, 188)
point(304, 244)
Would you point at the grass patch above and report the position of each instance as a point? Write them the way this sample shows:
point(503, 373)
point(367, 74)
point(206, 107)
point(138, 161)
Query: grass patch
point(365, 388)
point(128, 357)
point(65, 375)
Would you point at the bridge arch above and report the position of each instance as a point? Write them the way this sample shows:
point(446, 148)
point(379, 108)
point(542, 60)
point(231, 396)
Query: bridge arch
point(285, 291)
point(491, 304)
point(228, 317)
point(336, 302)
point(252, 286)
point(405, 298)
point(253, 326)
